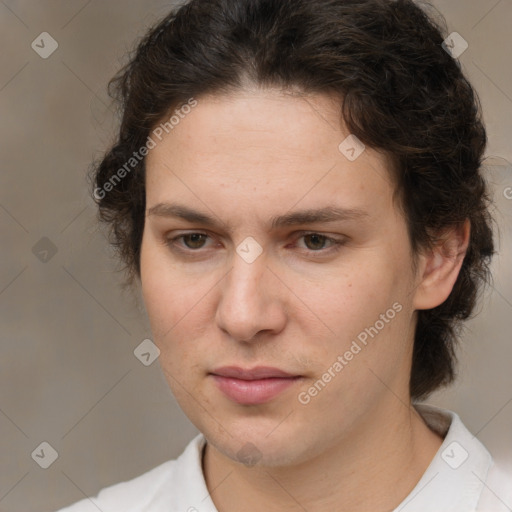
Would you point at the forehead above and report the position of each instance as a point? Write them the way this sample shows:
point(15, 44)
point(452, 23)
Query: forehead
point(265, 149)
point(270, 122)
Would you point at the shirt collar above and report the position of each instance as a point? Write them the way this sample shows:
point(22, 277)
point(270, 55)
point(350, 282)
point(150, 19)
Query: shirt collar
point(454, 480)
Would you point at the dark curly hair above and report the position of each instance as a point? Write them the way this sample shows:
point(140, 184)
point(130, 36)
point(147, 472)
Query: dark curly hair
point(400, 92)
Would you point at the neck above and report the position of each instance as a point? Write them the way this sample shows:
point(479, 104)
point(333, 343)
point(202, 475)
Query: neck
point(374, 467)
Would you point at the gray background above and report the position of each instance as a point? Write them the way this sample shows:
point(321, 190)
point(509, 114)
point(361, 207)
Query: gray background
point(68, 375)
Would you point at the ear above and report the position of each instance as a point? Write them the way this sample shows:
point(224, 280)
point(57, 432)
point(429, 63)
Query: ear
point(438, 269)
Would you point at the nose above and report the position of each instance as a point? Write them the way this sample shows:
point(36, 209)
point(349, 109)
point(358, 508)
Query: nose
point(252, 300)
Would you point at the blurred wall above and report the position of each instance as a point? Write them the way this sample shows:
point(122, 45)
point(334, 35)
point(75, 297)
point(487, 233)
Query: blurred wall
point(68, 374)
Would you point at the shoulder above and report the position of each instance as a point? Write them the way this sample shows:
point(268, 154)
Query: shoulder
point(160, 486)
point(129, 495)
point(497, 493)
point(465, 476)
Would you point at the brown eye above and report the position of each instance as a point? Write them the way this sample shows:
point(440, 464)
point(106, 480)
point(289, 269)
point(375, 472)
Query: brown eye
point(315, 244)
point(191, 242)
point(317, 241)
point(196, 240)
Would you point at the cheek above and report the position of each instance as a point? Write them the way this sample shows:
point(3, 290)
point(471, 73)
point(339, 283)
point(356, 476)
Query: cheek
point(162, 285)
point(171, 327)
point(162, 292)
point(172, 310)
point(349, 296)
point(365, 303)
point(176, 304)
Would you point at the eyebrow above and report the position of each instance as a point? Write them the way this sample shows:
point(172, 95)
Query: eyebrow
point(309, 216)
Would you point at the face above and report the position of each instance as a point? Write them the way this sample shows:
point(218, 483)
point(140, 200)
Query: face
point(328, 301)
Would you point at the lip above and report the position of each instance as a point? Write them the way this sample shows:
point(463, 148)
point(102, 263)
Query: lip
point(252, 386)
point(259, 372)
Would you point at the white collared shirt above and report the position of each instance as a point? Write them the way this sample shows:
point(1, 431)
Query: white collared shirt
point(462, 477)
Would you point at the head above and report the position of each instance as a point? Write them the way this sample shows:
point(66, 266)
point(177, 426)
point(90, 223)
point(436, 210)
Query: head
point(249, 111)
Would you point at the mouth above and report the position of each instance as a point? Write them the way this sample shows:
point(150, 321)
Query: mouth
point(252, 386)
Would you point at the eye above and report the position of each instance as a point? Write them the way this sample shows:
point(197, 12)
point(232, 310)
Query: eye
point(196, 240)
point(314, 242)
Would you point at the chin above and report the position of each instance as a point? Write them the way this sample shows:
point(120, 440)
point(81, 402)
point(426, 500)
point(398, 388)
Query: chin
point(256, 453)
point(258, 445)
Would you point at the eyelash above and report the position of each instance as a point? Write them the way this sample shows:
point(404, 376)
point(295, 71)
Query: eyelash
point(335, 243)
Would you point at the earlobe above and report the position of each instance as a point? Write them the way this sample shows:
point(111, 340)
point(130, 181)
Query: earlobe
point(438, 269)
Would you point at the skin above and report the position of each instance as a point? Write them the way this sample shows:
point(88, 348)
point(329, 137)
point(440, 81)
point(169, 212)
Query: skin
point(358, 445)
